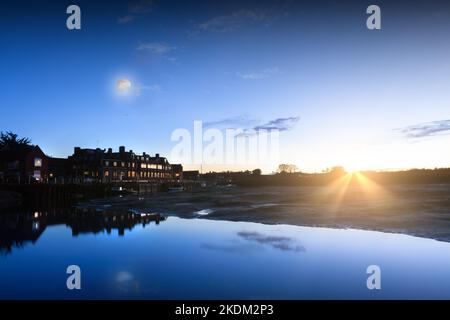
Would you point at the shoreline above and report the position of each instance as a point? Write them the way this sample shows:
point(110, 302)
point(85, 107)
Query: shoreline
point(417, 210)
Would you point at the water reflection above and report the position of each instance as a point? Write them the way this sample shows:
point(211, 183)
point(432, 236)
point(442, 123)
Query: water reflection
point(277, 242)
point(18, 229)
point(206, 259)
point(254, 241)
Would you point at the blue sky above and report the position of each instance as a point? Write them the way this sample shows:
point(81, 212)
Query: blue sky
point(356, 93)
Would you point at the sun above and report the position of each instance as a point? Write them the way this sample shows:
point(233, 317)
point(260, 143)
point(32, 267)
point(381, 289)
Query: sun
point(352, 169)
point(123, 85)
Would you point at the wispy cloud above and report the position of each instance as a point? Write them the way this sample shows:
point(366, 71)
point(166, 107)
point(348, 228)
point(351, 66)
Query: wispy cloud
point(126, 19)
point(233, 21)
point(281, 124)
point(231, 123)
point(136, 9)
point(149, 88)
point(156, 47)
point(239, 19)
point(250, 127)
point(258, 75)
point(426, 129)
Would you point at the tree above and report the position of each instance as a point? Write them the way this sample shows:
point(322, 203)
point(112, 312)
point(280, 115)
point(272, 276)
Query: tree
point(287, 168)
point(10, 140)
point(338, 170)
point(257, 172)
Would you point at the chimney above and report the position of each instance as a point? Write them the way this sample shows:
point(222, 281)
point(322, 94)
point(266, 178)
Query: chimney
point(76, 150)
point(109, 150)
point(122, 149)
point(157, 155)
point(144, 154)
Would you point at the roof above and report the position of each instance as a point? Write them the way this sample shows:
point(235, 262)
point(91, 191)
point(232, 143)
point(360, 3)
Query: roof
point(17, 153)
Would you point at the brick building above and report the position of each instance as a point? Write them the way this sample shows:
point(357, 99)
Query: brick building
point(23, 164)
point(100, 165)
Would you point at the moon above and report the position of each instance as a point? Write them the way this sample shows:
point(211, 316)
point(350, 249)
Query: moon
point(123, 85)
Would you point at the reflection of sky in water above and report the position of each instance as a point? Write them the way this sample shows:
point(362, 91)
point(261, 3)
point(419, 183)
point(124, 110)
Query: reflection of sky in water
point(216, 259)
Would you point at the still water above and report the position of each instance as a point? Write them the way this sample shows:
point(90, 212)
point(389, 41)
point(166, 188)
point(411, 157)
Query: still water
point(132, 256)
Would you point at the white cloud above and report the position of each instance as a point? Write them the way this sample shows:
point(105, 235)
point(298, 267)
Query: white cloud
point(156, 47)
point(136, 9)
point(239, 19)
point(141, 7)
point(151, 88)
point(251, 126)
point(126, 19)
point(258, 75)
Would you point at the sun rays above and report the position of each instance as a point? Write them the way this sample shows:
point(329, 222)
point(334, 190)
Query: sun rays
point(352, 188)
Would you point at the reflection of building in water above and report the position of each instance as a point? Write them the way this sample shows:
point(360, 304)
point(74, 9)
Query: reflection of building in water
point(16, 230)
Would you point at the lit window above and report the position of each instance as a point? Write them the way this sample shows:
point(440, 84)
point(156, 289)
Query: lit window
point(106, 173)
point(37, 174)
point(115, 164)
point(37, 162)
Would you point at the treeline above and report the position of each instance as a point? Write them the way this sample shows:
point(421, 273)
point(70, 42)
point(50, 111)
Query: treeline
point(414, 176)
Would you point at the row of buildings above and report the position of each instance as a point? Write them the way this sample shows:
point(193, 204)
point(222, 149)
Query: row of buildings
point(27, 164)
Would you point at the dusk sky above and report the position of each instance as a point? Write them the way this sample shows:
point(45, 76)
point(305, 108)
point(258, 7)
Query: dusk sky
point(341, 94)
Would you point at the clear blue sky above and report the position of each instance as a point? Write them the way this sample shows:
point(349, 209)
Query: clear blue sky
point(365, 99)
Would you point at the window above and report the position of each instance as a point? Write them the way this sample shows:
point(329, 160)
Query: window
point(107, 163)
point(115, 164)
point(37, 162)
point(37, 174)
point(106, 173)
point(123, 164)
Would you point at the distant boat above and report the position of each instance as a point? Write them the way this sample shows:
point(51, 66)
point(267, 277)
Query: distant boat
point(9, 199)
point(175, 189)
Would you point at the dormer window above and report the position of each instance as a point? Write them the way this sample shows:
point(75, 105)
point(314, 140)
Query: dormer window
point(37, 162)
